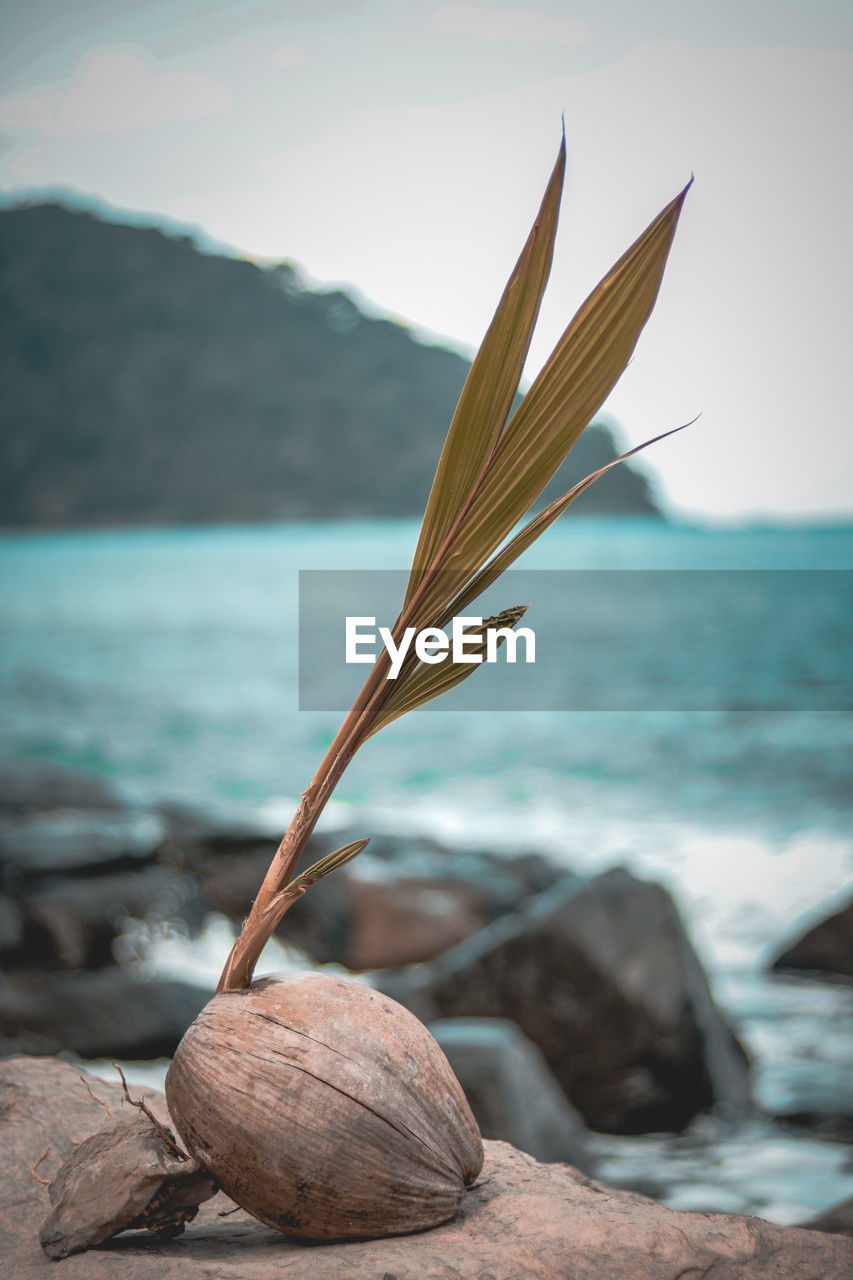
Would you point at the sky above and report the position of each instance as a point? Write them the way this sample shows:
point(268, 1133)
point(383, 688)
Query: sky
point(400, 148)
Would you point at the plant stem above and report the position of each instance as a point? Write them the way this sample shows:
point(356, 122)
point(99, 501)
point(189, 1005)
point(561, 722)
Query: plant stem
point(260, 924)
point(261, 921)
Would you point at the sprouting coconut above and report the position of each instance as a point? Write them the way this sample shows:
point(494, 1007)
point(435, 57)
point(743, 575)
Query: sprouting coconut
point(363, 1132)
point(319, 1105)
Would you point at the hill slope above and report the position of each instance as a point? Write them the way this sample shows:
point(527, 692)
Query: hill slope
point(144, 381)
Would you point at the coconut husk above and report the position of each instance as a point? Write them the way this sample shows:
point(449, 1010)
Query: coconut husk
point(324, 1108)
point(127, 1175)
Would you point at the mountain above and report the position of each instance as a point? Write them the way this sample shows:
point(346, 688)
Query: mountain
point(147, 382)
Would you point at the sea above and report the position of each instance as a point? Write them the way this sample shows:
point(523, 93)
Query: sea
point(168, 659)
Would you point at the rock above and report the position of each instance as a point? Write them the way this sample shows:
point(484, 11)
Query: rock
point(826, 1126)
point(73, 841)
point(406, 921)
point(837, 1220)
point(29, 786)
point(77, 859)
point(542, 1222)
point(601, 976)
point(11, 931)
point(411, 901)
point(500, 881)
point(107, 1013)
point(59, 824)
point(54, 818)
point(229, 863)
point(512, 1093)
point(70, 922)
point(403, 901)
point(826, 948)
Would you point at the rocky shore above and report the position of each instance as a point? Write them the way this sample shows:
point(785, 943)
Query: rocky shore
point(567, 1005)
point(598, 975)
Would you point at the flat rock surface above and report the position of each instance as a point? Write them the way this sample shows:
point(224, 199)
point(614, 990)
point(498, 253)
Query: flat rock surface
point(521, 1220)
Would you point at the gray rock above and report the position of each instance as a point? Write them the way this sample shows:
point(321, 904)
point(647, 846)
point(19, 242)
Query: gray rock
point(72, 922)
point(405, 921)
point(499, 882)
point(403, 900)
point(229, 864)
point(837, 1220)
point(106, 1013)
point(79, 855)
point(824, 950)
point(71, 841)
point(602, 978)
point(512, 1093)
point(410, 901)
point(29, 786)
point(11, 930)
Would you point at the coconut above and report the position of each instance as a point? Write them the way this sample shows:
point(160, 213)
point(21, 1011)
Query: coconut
point(324, 1109)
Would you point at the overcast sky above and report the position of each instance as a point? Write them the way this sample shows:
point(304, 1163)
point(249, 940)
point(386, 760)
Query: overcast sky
point(402, 146)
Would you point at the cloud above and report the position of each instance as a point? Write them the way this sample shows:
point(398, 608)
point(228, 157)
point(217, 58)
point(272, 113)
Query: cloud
point(30, 111)
point(115, 88)
point(27, 165)
point(288, 56)
point(511, 26)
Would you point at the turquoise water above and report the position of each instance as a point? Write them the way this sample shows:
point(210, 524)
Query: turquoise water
point(168, 658)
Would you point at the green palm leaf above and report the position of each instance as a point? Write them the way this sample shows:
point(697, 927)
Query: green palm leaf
point(584, 367)
point(533, 529)
point(492, 382)
point(490, 473)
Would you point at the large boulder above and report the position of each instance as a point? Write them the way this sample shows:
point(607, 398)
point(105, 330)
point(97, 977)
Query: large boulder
point(837, 1219)
point(77, 841)
point(110, 1013)
point(55, 819)
point(80, 856)
point(513, 1095)
point(602, 977)
point(543, 1222)
point(405, 921)
point(825, 950)
point(74, 922)
point(29, 786)
point(408, 901)
point(405, 900)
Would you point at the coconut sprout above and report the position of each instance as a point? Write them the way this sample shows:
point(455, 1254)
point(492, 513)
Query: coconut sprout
point(318, 1104)
point(493, 467)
